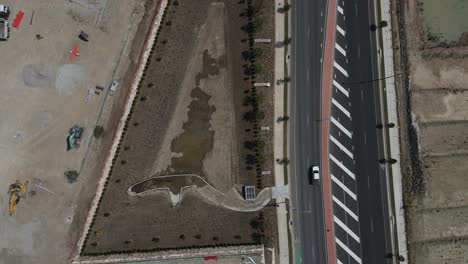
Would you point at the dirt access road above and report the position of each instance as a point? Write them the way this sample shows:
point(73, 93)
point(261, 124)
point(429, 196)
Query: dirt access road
point(43, 95)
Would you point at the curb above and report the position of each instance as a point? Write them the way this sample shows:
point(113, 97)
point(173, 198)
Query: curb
point(398, 219)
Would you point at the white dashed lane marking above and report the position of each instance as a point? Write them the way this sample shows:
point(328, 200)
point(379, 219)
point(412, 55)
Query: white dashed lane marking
point(340, 10)
point(341, 88)
point(341, 147)
point(341, 69)
point(340, 49)
point(342, 167)
point(349, 251)
point(344, 110)
point(346, 228)
point(342, 32)
point(343, 187)
point(344, 207)
point(341, 127)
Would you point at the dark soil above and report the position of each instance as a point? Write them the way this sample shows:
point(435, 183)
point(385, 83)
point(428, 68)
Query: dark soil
point(127, 223)
point(153, 217)
point(197, 139)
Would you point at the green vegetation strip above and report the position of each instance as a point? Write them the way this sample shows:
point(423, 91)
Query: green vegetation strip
point(286, 98)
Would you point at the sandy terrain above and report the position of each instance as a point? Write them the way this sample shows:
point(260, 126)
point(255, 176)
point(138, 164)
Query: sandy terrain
point(436, 198)
point(37, 110)
point(446, 189)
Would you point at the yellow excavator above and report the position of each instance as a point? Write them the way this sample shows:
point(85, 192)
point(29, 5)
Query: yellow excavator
point(15, 191)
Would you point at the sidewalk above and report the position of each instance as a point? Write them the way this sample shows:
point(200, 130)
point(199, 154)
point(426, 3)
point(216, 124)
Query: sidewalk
point(397, 214)
point(279, 134)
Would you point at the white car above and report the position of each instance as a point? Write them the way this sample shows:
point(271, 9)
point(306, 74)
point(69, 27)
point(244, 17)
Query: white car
point(314, 174)
point(4, 11)
point(113, 87)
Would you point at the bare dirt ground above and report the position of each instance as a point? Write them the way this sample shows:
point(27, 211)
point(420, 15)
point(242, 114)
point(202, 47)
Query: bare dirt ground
point(183, 120)
point(436, 198)
point(43, 95)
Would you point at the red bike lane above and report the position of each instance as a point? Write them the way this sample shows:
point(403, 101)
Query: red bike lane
point(327, 74)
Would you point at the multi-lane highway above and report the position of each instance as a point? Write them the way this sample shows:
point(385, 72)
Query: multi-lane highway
point(367, 140)
point(308, 19)
point(358, 192)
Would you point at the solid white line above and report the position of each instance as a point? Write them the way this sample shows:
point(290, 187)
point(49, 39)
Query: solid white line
point(344, 110)
point(345, 228)
point(341, 88)
point(340, 49)
point(347, 210)
point(342, 32)
point(341, 127)
point(340, 9)
point(341, 147)
point(343, 167)
point(339, 183)
point(349, 251)
point(341, 69)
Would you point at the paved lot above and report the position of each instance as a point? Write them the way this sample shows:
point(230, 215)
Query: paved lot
point(43, 95)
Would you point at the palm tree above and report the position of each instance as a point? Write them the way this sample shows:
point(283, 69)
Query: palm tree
point(253, 69)
point(286, 7)
point(250, 159)
point(253, 144)
point(383, 24)
point(250, 144)
point(254, 115)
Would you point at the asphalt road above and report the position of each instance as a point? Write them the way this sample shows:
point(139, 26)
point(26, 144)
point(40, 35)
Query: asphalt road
point(307, 20)
point(367, 139)
point(362, 208)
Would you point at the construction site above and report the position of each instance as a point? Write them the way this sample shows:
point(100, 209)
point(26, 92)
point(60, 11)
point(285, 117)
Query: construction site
point(124, 132)
point(58, 115)
point(432, 49)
